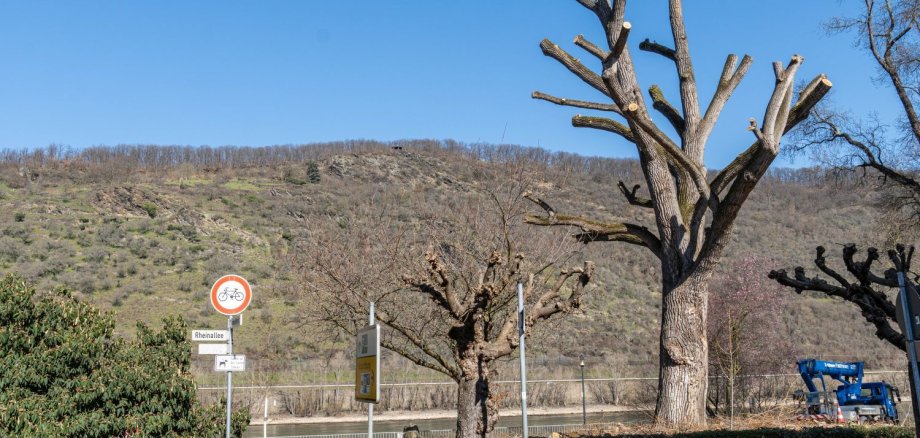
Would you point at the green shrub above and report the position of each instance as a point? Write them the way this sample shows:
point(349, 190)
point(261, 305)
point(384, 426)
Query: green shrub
point(20, 216)
point(63, 373)
point(150, 208)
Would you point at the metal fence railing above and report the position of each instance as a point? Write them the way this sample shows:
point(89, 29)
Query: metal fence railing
point(499, 432)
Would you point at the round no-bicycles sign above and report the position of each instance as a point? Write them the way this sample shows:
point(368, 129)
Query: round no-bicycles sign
point(231, 294)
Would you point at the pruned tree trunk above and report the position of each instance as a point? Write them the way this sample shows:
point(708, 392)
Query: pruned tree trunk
point(693, 215)
point(476, 411)
point(684, 372)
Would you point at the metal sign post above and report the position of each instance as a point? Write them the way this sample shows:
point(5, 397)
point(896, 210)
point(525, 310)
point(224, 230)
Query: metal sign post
point(230, 295)
point(370, 406)
point(584, 409)
point(910, 319)
point(229, 373)
point(367, 368)
point(524, 429)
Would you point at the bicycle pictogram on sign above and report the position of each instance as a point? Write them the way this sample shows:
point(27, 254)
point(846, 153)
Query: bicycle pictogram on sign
point(231, 294)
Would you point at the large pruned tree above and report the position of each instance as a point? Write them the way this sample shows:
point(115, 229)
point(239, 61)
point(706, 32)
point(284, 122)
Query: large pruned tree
point(446, 290)
point(693, 214)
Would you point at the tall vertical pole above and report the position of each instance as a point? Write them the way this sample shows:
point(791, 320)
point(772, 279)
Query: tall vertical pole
point(584, 409)
point(370, 406)
point(265, 420)
point(911, 341)
point(229, 375)
point(524, 429)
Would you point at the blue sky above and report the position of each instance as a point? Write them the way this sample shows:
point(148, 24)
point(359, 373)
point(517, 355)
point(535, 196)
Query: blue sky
point(283, 72)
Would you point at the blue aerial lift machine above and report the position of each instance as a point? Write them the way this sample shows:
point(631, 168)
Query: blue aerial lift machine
point(858, 401)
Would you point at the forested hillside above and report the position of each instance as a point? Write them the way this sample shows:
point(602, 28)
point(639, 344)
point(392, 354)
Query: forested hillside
point(143, 231)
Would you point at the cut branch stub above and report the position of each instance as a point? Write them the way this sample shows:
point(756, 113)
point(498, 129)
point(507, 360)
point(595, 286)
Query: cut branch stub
point(652, 46)
point(631, 196)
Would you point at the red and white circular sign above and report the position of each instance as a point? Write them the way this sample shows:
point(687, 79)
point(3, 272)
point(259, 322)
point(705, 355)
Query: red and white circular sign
point(231, 294)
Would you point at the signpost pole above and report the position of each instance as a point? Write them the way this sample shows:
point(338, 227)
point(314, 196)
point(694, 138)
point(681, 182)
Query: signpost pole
point(524, 430)
point(370, 406)
point(909, 317)
point(584, 409)
point(229, 375)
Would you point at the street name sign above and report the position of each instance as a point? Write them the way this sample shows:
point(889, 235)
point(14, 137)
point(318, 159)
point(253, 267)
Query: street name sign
point(212, 349)
point(210, 335)
point(367, 367)
point(230, 362)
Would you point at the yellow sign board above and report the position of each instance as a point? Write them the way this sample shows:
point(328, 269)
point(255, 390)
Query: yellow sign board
point(367, 368)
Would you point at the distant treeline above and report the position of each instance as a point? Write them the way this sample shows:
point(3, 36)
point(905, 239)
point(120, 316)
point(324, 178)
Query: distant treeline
point(123, 161)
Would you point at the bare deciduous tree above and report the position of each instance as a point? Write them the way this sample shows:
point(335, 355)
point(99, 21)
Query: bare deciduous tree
point(889, 31)
point(745, 332)
point(693, 216)
point(453, 310)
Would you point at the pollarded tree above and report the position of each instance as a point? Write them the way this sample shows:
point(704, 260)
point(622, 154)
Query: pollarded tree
point(446, 290)
point(872, 293)
point(694, 216)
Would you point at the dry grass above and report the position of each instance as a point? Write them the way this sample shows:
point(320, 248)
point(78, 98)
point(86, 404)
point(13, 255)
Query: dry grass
point(780, 418)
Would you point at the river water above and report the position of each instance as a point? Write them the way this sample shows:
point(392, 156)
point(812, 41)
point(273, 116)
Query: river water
point(280, 430)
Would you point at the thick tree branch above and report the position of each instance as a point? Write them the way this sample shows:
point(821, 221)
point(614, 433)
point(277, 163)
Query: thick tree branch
point(654, 47)
point(677, 157)
point(746, 174)
point(600, 8)
point(594, 230)
point(573, 65)
point(688, 96)
point(605, 124)
point(775, 107)
point(729, 80)
point(550, 303)
point(576, 103)
point(632, 198)
point(617, 49)
point(661, 104)
point(589, 47)
point(808, 98)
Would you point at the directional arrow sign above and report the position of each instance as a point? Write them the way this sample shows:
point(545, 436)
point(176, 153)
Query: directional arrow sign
point(230, 362)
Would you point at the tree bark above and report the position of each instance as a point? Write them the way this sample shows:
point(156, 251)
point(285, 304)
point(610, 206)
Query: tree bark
point(476, 413)
point(684, 372)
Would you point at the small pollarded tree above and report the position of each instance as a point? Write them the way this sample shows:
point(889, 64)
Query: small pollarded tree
point(694, 216)
point(872, 293)
point(445, 289)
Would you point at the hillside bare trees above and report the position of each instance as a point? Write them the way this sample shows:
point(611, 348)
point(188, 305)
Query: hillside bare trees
point(446, 289)
point(694, 216)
